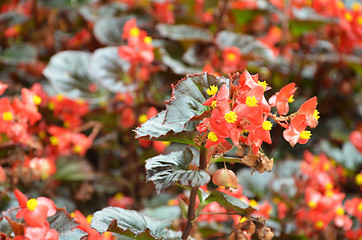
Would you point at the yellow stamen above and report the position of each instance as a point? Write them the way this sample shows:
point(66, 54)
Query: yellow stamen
point(7, 116)
point(147, 40)
point(329, 186)
point(348, 16)
point(359, 179)
point(212, 136)
point(319, 224)
point(172, 202)
point(119, 196)
point(305, 135)
point(359, 207)
point(291, 99)
point(312, 204)
point(72, 214)
point(134, 32)
point(356, 6)
point(89, 218)
point(326, 167)
point(36, 100)
point(231, 117)
point(243, 219)
point(166, 143)
point(340, 5)
point(60, 97)
point(263, 84)
point(251, 101)
point(54, 140)
point(340, 211)
point(214, 104)
point(359, 20)
point(80, 101)
point(267, 125)
point(31, 204)
point(253, 203)
point(231, 56)
point(142, 118)
point(329, 193)
point(316, 114)
point(51, 106)
point(77, 149)
point(212, 90)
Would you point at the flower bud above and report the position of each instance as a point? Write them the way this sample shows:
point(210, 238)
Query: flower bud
point(226, 178)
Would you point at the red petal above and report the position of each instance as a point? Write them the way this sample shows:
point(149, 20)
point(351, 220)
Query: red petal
point(22, 199)
point(52, 208)
point(37, 217)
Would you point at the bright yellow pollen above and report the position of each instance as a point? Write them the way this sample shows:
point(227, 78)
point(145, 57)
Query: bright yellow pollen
point(134, 32)
point(267, 125)
point(231, 56)
point(263, 84)
point(31, 204)
point(89, 218)
point(329, 186)
point(305, 135)
point(142, 118)
point(60, 97)
point(312, 204)
point(166, 143)
point(356, 6)
point(340, 211)
point(253, 203)
point(251, 101)
point(119, 196)
point(66, 124)
point(214, 104)
point(340, 5)
point(54, 140)
point(326, 167)
point(329, 193)
point(359, 179)
point(348, 16)
point(77, 148)
point(36, 100)
point(291, 99)
point(231, 117)
point(359, 207)
point(319, 224)
point(359, 20)
point(72, 214)
point(51, 106)
point(244, 131)
point(212, 137)
point(316, 114)
point(212, 90)
point(243, 219)
point(7, 116)
point(147, 40)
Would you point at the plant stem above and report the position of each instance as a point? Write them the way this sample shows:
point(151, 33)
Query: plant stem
point(192, 200)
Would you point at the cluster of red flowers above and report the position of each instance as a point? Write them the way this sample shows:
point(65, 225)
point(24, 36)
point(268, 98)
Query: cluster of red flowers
point(138, 51)
point(241, 114)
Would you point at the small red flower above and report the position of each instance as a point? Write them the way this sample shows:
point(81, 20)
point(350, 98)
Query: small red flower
point(282, 98)
point(296, 131)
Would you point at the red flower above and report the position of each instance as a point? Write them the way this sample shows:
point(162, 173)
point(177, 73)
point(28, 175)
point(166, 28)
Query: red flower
point(296, 131)
point(354, 208)
point(3, 87)
point(282, 98)
point(164, 12)
point(356, 139)
point(41, 233)
point(34, 211)
point(309, 110)
point(6, 114)
point(232, 60)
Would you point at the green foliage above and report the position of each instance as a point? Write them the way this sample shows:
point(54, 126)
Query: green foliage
point(184, 32)
point(19, 53)
point(166, 170)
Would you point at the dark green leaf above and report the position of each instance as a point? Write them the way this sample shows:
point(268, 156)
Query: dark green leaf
point(184, 32)
point(20, 53)
point(254, 185)
point(62, 222)
point(177, 66)
point(163, 212)
point(74, 234)
point(63, 3)
point(188, 97)
point(108, 10)
point(155, 129)
point(247, 44)
point(73, 169)
point(108, 30)
point(166, 170)
point(110, 70)
point(129, 223)
point(68, 73)
point(230, 203)
point(243, 17)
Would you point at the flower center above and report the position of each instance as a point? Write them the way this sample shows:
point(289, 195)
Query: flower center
point(263, 84)
point(54, 140)
point(340, 211)
point(77, 148)
point(214, 104)
point(31, 204)
point(7, 116)
point(316, 114)
point(212, 137)
point(147, 40)
point(251, 101)
point(142, 118)
point(212, 90)
point(36, 100)
point(231, 56)
point(360, 207)
point(348, 16)
point(359, 179)
point(291, 99)
point(134, 32)
point(267, 125)
point(253, 203)
point(312, 204)
point(231, 117)
point(319, 224)
point(305, 135)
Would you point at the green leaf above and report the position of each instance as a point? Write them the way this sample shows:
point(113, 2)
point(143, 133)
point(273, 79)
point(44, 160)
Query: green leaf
point(108, 30)
point(73, 169)
point(177, 66)
point(188, 97)
point(155, 129)
point(62, 222)
point(74, 234)
point(184, 32)
point(230, 203)
point(93, 14)
point(256, 184)
point(166, 170)
point(67, 71)
point(20, 53)
point(247, 44)
point(243, 17)
point(110, 70)
point(129, 223)
point(163, 212)
point(62, 4)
